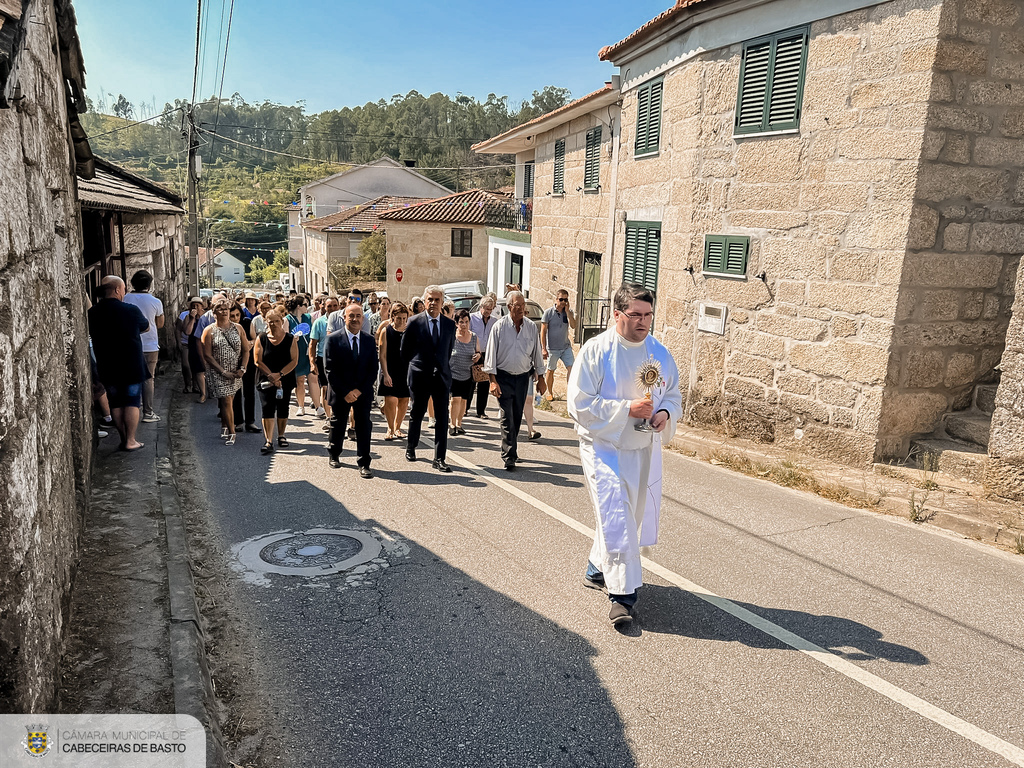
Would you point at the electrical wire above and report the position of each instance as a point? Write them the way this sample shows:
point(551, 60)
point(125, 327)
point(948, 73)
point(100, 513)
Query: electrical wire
point(223, 69)
point(199, 31)
point(362, 165)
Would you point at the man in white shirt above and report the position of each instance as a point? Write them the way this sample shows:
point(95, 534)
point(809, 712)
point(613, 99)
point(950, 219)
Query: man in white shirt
point(624, 397)
point(513, 358)
point(153, 310)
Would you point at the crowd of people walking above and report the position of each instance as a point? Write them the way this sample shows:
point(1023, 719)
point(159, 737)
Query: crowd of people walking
point(416, 362)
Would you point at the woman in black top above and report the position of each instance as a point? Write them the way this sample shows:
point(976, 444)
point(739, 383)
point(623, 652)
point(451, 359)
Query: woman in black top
point(394, 387)
point(276, 356)
point(245, 400)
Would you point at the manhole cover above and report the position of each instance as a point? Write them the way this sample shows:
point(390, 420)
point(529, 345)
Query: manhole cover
point(316, 552)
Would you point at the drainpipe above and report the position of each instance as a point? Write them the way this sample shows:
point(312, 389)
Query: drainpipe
point(612, 211)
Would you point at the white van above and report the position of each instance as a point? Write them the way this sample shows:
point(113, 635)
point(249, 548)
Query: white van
point(464, 288)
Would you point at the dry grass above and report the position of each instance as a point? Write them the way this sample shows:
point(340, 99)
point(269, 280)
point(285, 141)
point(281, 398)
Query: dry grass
point(791, 475)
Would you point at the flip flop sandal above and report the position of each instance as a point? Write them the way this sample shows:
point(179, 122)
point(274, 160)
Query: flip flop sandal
point(282, 442)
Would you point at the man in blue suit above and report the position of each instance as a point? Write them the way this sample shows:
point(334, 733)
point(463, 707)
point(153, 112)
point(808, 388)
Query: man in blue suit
point(427, 348)
point(350, 359)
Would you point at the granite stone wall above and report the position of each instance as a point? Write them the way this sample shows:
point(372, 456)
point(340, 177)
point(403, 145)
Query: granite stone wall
point(967, 220)
point(423, 251)
point(1005, 471)
point(804, 360)
point(156, 243)
point(45, 418)
point(566, 225)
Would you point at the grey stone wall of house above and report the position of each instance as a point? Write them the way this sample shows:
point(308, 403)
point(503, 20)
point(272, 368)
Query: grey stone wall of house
point(1005, 474)
point(156, 242)
point(967, 222)
point(566, 225)
point(45, 417)
point(804, 360)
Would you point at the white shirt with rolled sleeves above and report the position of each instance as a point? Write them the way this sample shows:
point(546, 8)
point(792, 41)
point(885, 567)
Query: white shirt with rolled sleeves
point(512, 351)
point(622, 466)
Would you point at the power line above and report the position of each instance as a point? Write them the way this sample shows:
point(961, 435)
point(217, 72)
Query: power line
point(223, 69)
point(367, 137)
point(363, 165)
point(199, 29)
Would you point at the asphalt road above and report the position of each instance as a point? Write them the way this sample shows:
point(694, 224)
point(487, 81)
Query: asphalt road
point(777, 629)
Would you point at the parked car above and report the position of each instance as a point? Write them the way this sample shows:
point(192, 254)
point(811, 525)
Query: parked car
point(467, 302)
point(534, 311)
point(464, 288)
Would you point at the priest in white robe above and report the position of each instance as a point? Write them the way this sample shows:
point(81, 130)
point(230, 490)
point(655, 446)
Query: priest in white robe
point(624, 379)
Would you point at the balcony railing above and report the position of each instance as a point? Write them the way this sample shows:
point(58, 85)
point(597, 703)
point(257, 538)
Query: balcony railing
point(516, 215)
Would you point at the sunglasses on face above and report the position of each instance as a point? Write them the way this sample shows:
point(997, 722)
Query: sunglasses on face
point(356, 299)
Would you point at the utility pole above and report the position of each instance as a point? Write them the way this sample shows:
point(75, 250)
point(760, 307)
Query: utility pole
point(193, 220)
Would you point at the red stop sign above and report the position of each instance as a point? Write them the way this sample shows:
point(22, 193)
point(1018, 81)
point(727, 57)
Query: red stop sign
point(398, 275)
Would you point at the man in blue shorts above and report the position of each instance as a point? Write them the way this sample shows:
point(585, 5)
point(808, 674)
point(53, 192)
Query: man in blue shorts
point(116, 330)
point(554, 338)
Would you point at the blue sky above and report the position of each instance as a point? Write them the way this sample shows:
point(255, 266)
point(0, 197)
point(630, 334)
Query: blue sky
point(342, 53)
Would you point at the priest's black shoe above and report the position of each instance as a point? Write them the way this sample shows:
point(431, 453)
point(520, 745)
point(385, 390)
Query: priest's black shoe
point(335, 462)
point(440, 466)
point(410, 454)
point(620, 614)
point(510, 465)
point(365, 472)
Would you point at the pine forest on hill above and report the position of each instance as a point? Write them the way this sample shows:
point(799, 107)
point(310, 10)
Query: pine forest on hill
point(256, 156)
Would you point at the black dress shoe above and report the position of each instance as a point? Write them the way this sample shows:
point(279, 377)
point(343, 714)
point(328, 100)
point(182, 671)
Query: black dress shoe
point(365, 472)
point(410, 454)
point(252, 428)
point(510, 466)
point(351, 434)
point(335, 462)
point(440, 466)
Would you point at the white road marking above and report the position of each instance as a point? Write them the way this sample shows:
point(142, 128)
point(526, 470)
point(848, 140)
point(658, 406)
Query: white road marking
point(905, 699)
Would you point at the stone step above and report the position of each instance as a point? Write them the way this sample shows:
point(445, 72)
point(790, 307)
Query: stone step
point(985, 398)
point(963, 461)
point(969, 427)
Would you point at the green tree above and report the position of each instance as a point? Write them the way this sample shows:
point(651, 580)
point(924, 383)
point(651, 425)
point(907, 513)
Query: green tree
point(254, 273)
point(373, 262)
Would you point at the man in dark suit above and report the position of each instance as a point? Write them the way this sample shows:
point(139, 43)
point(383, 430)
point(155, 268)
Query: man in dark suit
point(427, 348)
point(350, 359)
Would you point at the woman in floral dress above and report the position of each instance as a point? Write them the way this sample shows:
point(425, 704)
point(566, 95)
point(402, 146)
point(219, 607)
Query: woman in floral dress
point(227, 352)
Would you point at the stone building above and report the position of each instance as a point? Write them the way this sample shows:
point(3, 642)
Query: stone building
point(442, 240)
point(357, 185)
point(564, 166)
point(332, 242)
point(131, 223)
point(828, 199)
point(45, 399)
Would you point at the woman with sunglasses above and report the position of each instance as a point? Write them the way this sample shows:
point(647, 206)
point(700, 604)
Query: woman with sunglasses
point(277, 355)
point(227, 352)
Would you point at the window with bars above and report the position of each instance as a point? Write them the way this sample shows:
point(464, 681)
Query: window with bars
point(648, 118)
point(726, 255)
point(772, 82)
point(643, 250)
point(462, 243)
point(528, 169)
point(558, 187)
point(592, 165)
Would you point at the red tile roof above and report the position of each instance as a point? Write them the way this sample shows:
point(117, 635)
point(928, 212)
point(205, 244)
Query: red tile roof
point(202, 254)
point(361, 218)
point(654, 25)
point(475, 206)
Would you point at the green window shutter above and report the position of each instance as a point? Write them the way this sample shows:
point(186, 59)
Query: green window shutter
point(771, 82)
point(726, 255)
point(787, 81)
point(642, 253)
point(592, 170)
point(753, 87)
point(559, 184)
point(528, 169)
point(654, 123)
point(648, 118)
point(714, 253)
point(643, 115)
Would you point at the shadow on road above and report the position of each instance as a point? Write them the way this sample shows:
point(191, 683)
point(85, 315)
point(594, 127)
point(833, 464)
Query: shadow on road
point(670, 610)
point(419, 664)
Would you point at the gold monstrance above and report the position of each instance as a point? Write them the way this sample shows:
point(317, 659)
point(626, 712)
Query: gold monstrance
point(648, 376)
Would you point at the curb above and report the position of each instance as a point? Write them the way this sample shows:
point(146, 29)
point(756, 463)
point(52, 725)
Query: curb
point(193, 685)
point(692, 442)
